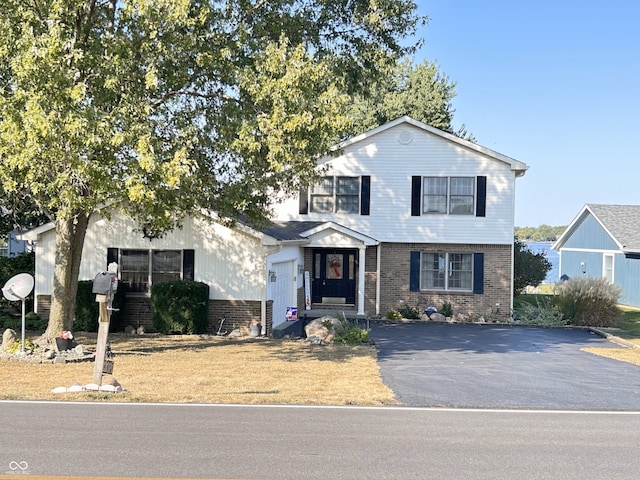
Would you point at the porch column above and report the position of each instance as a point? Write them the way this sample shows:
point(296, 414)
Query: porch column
point(361, 269)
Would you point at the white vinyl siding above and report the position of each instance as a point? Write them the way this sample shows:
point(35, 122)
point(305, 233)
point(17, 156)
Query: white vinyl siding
point(223, 256)
point(391, 166)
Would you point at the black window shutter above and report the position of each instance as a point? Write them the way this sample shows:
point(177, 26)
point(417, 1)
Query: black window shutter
point(188, 261)
point(478, 273)
point(112, 255)
point(481, 202)
point(365, 194)
point(416, 193)
point(303, 202)
point(414, 272)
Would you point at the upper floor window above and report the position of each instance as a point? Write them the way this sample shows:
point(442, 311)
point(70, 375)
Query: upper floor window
point(141, 269)
point(449, 195)
point(453, 195)
point(336, 195)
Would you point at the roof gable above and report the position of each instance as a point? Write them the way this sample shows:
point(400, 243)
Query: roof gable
point(620, 222)
point(518, 167)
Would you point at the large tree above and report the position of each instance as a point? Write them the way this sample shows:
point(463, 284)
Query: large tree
point(421, 91)
point(162, 107)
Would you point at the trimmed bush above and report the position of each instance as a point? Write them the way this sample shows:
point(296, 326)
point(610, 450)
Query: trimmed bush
point(32, 322)
point(589, 301)
point(87, 309)
point(180, 307)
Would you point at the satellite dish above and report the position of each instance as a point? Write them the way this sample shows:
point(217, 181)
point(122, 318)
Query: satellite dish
point(18, 287)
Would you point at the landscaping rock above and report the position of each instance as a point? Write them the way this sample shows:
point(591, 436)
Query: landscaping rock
point(438, 317)
point(8, 337)
point(317, 329)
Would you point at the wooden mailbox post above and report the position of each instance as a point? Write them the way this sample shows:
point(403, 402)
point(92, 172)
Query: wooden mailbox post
point(105, 285)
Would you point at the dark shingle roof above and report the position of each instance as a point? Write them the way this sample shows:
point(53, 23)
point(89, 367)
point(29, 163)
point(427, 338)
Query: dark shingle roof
point(289, 230)
point(622, 222)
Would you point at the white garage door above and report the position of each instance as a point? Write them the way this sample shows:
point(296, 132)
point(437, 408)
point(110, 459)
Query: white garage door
point(282, 290)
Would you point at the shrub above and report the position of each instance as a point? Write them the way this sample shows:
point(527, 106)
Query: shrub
point(87, 309)
point(394, 315)
point(180, 307)
point(410, 313)
point(589, 301)
point(351, 334)
point(543, 313)
point(447, 309)
point(32, 322)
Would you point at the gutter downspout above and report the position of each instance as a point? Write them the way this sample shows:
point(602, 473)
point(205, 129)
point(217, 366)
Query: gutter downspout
point(265, 277)
point(378, 262)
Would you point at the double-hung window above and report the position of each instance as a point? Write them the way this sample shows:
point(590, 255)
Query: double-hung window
point(446, 271)
point(336, 195)
point(141, 269)
point(452, 195)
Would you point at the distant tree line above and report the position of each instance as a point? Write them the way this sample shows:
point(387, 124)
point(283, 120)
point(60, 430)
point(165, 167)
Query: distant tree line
point(542, 233)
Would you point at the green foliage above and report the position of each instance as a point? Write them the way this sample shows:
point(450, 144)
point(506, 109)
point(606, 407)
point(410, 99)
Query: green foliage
point(529, 268)
point(538, 311)
point(351, 334)
point(542, 233)
point(32, 322)
point(446, 310)
point(589, 301)
point(16, 346)
point(167, 107)
point(10, 266)
point(420, 91)
point(394, 315)
point(180, 307)
point(87, 309)
point(410, 313)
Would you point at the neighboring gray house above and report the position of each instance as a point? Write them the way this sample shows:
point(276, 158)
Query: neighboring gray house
point(604, 241)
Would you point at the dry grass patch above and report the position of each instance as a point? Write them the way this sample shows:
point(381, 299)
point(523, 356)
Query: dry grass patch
point(191, 369)
point(623, 354)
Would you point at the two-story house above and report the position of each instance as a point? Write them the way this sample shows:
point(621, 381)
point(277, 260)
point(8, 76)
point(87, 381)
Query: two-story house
point(405, 215)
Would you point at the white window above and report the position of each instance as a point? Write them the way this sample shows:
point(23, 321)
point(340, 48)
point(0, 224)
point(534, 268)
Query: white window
point(446, 271)
point(453, 195)
point(607, 267)
point(336, 195)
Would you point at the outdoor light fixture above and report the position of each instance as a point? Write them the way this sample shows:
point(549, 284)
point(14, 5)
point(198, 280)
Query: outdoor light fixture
point(272, 276)
point(300, 269)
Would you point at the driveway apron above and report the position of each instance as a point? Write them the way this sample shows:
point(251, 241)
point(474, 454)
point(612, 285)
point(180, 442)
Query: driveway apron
point(491, 366)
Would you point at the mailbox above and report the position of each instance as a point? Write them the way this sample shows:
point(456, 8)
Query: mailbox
point(105, 283)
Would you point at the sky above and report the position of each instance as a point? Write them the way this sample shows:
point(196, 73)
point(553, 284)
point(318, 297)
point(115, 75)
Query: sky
point(552, 83)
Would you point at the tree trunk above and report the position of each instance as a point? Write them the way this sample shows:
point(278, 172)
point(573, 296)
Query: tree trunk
point(69, 242)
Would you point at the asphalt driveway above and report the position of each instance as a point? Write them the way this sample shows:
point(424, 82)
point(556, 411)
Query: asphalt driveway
point(490, 366)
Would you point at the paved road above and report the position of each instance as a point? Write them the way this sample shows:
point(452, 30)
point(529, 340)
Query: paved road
point(486, 366)
point(313, 443)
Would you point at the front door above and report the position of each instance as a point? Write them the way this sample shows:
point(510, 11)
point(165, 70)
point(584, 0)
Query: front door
point(334, 276)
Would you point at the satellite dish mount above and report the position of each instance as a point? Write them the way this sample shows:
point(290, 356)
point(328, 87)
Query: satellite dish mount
point(18, 288)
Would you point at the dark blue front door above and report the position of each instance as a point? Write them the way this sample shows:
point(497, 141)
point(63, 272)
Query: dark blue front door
point(334, 276)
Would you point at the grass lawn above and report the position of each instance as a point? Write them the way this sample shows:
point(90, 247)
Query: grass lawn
point(194, 369)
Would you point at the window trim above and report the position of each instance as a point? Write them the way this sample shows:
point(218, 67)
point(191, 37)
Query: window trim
point(448, 272)
point(448, 195)
point(186, 256)
point(606, 270)
point(334, 196)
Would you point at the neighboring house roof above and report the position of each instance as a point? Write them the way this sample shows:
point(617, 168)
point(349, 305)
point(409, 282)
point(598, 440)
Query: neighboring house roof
point(518, 167)
point(621, 222)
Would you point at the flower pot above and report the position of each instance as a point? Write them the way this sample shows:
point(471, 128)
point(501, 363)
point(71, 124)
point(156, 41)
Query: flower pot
point(64, 344)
